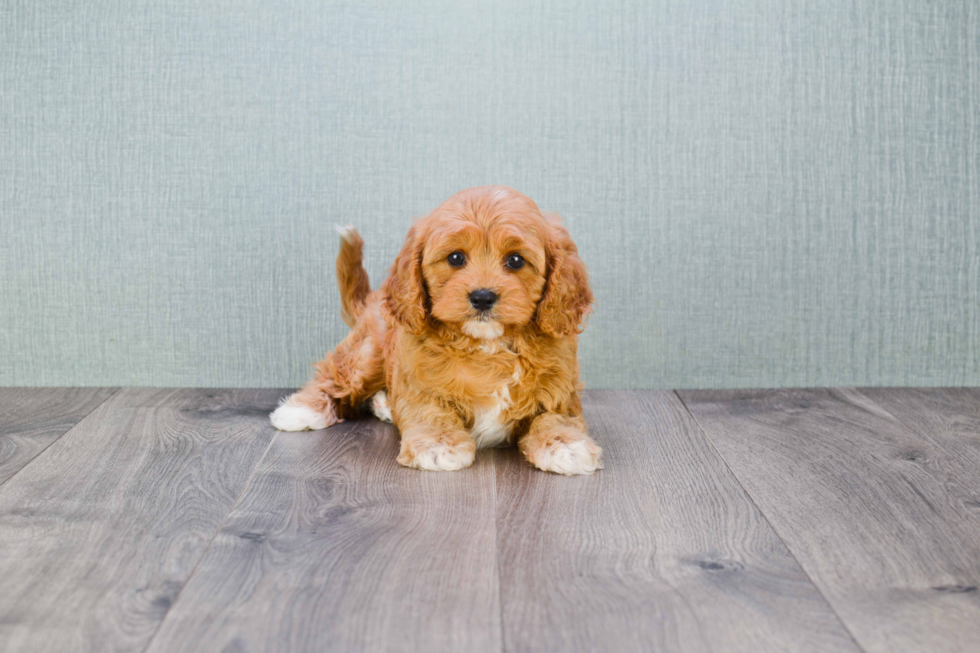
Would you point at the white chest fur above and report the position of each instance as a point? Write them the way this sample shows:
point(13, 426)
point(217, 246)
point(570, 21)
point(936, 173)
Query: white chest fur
point(491, 426)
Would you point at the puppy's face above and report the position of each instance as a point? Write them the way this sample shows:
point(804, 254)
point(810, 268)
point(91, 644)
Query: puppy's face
point(484, 270)
point(487, 258)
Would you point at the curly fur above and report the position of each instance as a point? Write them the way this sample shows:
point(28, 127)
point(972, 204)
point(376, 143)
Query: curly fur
point(457, 379)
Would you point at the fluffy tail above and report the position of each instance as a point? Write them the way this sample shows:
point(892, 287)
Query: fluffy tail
point(352, 279)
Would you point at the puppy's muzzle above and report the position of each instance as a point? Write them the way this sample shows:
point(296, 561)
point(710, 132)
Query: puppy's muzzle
point(483, 299)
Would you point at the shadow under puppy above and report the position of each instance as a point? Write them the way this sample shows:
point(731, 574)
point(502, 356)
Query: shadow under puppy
point(470, 342)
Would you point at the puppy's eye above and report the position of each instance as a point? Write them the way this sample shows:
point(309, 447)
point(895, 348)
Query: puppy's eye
point(515, 262)
point(457, 259)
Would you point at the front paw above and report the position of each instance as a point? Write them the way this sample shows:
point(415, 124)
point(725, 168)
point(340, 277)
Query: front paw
point(565, 452)
point(436, 455)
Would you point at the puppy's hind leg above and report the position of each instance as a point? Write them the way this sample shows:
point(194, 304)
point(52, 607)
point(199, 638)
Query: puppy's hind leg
point(348, 376)
point(293, 414)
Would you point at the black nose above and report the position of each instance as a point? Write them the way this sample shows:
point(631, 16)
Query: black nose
point(483, 299)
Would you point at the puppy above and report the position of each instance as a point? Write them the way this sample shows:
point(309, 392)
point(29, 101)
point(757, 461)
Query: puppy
point(470, 342)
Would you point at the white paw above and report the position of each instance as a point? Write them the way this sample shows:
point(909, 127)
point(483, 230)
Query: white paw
point(578, 457)
point(443, 458)
point(380, 407)
point(292, 417)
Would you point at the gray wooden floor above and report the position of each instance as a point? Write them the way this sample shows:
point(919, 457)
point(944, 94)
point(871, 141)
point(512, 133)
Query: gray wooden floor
point(790, 520)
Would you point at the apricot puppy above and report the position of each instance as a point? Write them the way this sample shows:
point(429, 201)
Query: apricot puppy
point(470, 342)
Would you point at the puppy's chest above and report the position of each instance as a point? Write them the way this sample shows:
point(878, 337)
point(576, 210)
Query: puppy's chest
point(495, 403)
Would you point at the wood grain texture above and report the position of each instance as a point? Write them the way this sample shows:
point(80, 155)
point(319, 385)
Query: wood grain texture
point(335, 547)
point(661, 551)
point(32, 418)
point(882, 516)
point(98, 534)
point(947, 422)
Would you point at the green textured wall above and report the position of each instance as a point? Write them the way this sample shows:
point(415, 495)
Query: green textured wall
point(767, 193)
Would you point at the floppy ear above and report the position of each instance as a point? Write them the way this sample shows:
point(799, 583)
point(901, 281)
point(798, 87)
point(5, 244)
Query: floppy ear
point(567, 297)
point(403, 293)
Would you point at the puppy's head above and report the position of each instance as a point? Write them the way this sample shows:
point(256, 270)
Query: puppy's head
point(487, 259)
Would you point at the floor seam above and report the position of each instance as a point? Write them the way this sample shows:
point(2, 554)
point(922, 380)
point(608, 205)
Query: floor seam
point(214, 536)
point(496, 548)
point(789, 550)
point(112, 394)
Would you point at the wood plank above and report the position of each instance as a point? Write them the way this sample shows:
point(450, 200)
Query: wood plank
point(32, 418)
point(660, 551)
point(879, 515)
point(947, 420)
point(98, 534)
point(335, 547)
